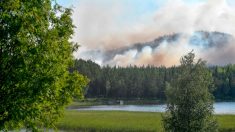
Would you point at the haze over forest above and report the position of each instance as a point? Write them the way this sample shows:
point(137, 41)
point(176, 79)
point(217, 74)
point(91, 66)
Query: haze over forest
point(124, 32)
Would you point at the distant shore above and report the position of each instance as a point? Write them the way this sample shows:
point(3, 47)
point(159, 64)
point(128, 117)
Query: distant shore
point(108, 101)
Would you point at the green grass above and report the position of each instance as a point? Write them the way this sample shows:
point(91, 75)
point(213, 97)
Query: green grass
point(226, 123)
point(113, 121)
point(110, 121)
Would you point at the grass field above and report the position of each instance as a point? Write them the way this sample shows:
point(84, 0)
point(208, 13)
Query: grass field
point(119, 121)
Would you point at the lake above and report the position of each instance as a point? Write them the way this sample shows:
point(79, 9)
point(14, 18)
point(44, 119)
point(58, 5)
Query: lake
point(220, 108)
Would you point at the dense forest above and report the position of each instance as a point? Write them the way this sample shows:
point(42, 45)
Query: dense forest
point(146, 81)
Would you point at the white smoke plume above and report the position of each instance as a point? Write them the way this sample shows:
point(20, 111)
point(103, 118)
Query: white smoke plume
point(102, 28)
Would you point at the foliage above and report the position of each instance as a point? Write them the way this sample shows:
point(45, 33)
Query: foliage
point(147, 81)
point(124, 82)
point(224, 78)
point(35, 53)
point(189, 101)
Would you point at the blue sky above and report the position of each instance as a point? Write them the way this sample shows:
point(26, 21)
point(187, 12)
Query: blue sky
point(146, 5)
point(66, 2)
point(141, 5)
point(138, 8)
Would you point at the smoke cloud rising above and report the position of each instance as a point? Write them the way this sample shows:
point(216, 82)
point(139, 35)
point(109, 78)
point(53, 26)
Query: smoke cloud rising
point(110, 33)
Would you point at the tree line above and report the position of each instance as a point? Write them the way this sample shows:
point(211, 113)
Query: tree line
point(146, 81)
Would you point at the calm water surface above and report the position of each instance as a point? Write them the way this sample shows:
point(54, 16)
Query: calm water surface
point(220, 108)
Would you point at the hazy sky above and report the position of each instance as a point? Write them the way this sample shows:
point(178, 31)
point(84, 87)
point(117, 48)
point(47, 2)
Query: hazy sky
point(104, 25)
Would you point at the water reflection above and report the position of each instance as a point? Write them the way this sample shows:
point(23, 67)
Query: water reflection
point(220, 108)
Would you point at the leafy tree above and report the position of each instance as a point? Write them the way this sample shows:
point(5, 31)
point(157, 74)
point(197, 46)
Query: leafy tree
point(35, 53)
point(189, 101)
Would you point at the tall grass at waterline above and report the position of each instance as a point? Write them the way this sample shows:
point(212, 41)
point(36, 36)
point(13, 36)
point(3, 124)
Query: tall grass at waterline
point(121, 121)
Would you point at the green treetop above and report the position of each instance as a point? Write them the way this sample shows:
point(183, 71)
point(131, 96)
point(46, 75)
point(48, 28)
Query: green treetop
point(35, 53)
point(189, 101)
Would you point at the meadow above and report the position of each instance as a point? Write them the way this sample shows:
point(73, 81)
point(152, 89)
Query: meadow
point(120, 121)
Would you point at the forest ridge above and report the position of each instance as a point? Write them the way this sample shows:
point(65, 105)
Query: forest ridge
point(146, 81)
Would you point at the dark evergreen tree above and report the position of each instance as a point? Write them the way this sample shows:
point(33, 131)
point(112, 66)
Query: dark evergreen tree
point(146, 81)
